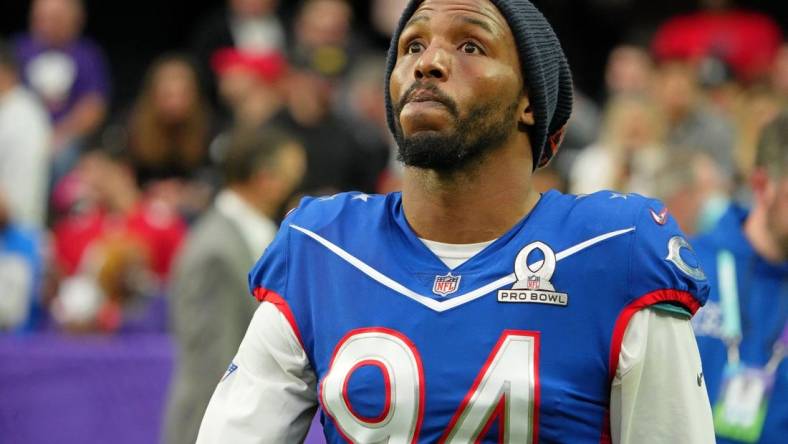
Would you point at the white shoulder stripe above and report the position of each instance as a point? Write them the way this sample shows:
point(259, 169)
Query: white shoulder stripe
point(369, 271)
point(585, 244)
point(441, 306)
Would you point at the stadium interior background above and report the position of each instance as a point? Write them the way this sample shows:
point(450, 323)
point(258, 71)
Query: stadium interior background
point(133, 33)
point(86, 340)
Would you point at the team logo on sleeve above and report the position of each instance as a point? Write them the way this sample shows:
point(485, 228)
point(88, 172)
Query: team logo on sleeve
point(533, 284)
point(446, 285)
point(675, 245)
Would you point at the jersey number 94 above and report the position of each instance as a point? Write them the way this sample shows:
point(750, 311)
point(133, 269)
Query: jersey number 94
point(506, 388)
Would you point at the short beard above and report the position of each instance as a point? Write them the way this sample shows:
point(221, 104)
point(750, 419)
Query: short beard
point(484, 129)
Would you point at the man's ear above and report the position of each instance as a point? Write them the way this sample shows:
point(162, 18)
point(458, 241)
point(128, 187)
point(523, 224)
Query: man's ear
point(526, 112)
point(759, 183)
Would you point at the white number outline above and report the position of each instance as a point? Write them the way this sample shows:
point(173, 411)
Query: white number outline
point(388, 410)
point(498, 412)
point(500, 409)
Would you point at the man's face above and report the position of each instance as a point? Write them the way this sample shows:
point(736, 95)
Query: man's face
point(777, 212)
point(676, 87)
point(324, 23)
point(57, 22)
point(456, 87)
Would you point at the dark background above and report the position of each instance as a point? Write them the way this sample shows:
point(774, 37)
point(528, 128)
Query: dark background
point(134, 32)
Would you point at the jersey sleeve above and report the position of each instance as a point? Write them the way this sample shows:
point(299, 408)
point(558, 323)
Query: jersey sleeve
point(268, 394)
point(664, 270)
point(268, 277)
point(653, 399)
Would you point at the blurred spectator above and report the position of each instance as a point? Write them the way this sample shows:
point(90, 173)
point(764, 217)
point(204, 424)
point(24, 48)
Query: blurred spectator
point(719, 86)
point(331, 148)
point(692, 188)
point(20, 273)
point(747, 41)
point(323, 37)
point(249, 26)
point(743, 329)
point(690, 121)
point(365, 109)
point(246, 25)
point(170, 129)
point(582, 131)
point(67, 71)
point(211, 305)
point(25, 137)
point(115, 247)
point(170, 124)
point(385, 15)
point(629, 153)
point(753, 109)
point(629, 71)
point(780, 73)
point(250, 85)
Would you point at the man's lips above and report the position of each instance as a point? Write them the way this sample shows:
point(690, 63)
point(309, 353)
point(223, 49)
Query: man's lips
point(424, 96)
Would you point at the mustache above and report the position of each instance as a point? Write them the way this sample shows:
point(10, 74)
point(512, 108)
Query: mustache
point(419, 91)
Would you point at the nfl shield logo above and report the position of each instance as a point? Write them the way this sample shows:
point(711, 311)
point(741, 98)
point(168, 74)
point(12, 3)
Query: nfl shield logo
point(446, 285)
point(533, 282)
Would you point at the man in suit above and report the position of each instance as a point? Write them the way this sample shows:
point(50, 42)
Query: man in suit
point(210, 307)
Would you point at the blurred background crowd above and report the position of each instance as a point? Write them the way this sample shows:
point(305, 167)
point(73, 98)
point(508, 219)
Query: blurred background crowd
point(148, 149)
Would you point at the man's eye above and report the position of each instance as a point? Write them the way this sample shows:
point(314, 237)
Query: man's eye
point(471, 48)
point(414, 48)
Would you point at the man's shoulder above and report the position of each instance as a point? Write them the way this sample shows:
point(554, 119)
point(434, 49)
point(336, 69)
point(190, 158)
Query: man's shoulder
point(210, 224)
point(213, 235)
point(351, 210)
point(606, 210)
point(658, 260)
point(346, 221)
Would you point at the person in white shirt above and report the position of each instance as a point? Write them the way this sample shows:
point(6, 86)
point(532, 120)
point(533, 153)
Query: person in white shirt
point(25, 138)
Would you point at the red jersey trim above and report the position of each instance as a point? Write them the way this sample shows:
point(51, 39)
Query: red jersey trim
point(655, 297)
point(421, 380)
point(265, 295)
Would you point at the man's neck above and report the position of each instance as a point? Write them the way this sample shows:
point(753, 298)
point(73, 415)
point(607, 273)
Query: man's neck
point(756, 231)
point(252, 198)
point(478, 204)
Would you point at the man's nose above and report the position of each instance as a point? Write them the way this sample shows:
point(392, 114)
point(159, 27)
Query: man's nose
point(434, 63)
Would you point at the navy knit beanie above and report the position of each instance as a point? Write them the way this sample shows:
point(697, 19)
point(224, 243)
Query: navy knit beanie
point(546, 73)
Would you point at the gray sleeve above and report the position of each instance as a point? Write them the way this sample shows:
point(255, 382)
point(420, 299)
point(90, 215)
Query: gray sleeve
point(210, 310)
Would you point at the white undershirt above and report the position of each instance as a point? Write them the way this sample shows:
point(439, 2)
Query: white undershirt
point(454, 255)
point(655, 397)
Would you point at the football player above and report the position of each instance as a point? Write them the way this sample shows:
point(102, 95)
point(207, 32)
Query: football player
point(469, 307)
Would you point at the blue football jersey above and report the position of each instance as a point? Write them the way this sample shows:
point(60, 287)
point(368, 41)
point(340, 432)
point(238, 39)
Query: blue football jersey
point(518, 344)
